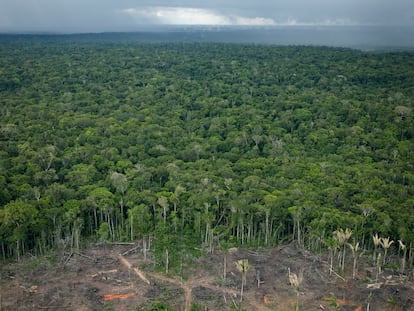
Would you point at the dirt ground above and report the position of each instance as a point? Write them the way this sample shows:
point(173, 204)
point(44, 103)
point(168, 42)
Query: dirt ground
point(96, 279)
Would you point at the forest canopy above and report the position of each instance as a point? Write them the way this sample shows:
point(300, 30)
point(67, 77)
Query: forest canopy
point(210, 144)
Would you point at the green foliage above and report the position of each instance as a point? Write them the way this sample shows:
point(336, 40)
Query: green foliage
point(104, 232)
point(17, 221)
point(217, 143)
point(183, 250)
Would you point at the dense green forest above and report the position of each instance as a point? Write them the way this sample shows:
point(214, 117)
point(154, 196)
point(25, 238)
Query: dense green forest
point(202, 145)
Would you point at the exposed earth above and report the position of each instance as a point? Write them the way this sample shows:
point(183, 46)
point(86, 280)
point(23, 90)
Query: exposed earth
point(100, 278)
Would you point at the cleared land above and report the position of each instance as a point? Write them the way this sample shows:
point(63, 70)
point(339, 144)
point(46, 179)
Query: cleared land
point(98, 278)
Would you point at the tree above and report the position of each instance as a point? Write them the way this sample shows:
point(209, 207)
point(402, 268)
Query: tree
point(296, 213)
point(342, 236)
point(270, 202)
point(73, 221)
point(209, 119)
point(295, 282)
point(120, 183)
point(19, 219)
point(81, 175)
point(403, 113)
point(104, 232)
point(102, 201)
point(139, 221)
point(386, 244)
point(332, 244)
point(376, 240)
point(355, 254)
point(243, 266)
point(163, 202)
point(402, 247)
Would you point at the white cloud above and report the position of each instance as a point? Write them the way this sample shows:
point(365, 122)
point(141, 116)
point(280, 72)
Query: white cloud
point(238, 20)
point(327, 22)
point(191, 16)
point(199, 16)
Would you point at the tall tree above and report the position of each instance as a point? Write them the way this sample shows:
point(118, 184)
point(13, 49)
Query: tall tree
point(19, 219)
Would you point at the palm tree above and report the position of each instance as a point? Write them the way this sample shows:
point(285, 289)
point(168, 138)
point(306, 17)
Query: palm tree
point(332, 244)
point(386, 244)
point(376, 241)
point(342, 237)
point(403, 247)
point(295, 282)
point(354, 248)
point(243, 266)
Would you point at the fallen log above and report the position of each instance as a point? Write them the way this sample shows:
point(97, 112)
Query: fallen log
point(141, 276)
point(125, 262)
point(130, 250)
point(332, 271)
point(85, 256)
point(375, 285)
point(103, 272)
point(138, 272)
point(117, 296)
point(68, 258)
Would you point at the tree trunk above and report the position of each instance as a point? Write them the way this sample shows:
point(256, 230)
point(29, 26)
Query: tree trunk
point(225, 267)
point(207, 233)
point(131, 224)
point(77, 238)
point(18, 250)
point(242, 231)
point(241, 290)
point(3, 250)
point(249, 230)
point(267, 228)
point(166, 261)
point(299, 233)
point(144, 248)
point(354, 268)
point(343, 259)
point(121, 203)
point(404, 260)
point(165, 215)
point(331, 255)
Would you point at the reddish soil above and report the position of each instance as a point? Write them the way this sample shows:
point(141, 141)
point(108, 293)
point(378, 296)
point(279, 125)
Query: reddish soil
point(98, 280)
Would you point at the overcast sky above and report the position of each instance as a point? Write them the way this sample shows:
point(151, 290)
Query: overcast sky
point(120, 15)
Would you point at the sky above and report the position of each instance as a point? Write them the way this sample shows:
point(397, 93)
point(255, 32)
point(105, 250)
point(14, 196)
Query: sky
point(129, 15)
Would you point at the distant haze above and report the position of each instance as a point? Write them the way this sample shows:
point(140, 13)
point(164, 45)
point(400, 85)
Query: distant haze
point(128, 15)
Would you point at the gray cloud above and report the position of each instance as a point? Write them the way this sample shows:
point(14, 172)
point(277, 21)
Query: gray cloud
point(114, 15)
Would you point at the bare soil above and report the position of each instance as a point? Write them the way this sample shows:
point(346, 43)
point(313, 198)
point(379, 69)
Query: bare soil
point(96, 279)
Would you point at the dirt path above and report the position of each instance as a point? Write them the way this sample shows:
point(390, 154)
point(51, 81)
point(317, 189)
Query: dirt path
point(187, 286)
point(84, 284)
point(184, 285)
